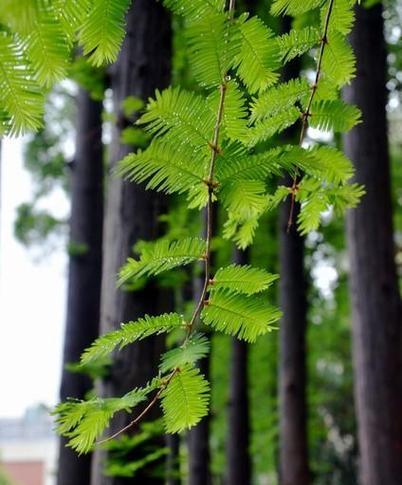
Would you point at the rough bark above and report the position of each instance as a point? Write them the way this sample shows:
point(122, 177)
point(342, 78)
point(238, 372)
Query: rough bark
point(143, 65)
point(376, 304)
point(238, 458)
point(85, 269)
point(293, 446)
point(293, 452)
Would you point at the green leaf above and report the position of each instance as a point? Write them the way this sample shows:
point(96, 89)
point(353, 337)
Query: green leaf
point(21, 102)
point(338, 61)
point(190, 352)
point(194, 10)
point(279, 98)
point(294, 7)
point(243, 198)
point(242, 279)
point(83, 422)
point(102, 32)
point(265, 129)
point(258, 57)
point(334, 116)
point(210, 49)
point(183, 118)
point(297, 42)
point(131, 332)
point(245, 317)
point(342, 17)
point(162, 255)
point(185, 400)
point(234, 119)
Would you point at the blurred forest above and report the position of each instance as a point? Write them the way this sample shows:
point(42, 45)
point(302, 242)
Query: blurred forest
point(317, 401)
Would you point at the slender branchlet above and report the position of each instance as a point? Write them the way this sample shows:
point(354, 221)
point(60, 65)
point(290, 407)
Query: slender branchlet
point(307, 112)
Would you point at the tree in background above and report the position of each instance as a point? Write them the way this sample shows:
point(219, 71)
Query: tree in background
point(376, 303)
point(85, 269)
point(132, 212)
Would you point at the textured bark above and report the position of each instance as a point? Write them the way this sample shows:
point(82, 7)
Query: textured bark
point(239, 465)
point(85, 270)
point(376, 304)
point(293, 446)
point(142, 66)
point(293, 452)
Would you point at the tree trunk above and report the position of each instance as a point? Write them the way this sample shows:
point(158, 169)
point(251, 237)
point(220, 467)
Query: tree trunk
point(293, 446)
point(239, 465)
point(85, 269)
point(172, 460)
point(143, 65)
point(293, 451)
point(376, 304)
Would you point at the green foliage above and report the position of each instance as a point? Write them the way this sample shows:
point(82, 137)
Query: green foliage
point(162, 255)
point(189, 352)
point(36, 42)
point(85, 421)
point(131, 332)
point(243, 279)
point(185, 399)
point(245, 317)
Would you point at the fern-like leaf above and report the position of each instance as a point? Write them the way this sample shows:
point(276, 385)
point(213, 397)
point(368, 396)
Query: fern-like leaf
point(162, 255)
point(297, 42)
point(83, 422)
point(245, 317)
point(294, 7)
point(130, 332)
point(194, 10)
point(102, 32)
point(190, 352)
point(338, 61)
point(185, 400)
point(279, 98)
point(265, 129)
point(21, 101)
point(171, 169)
point(242, 279)
point(258, 57)
point(181, 117)
point(334, 115)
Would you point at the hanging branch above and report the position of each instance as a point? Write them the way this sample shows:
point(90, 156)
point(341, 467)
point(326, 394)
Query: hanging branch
point(201, 302)
point(307, 112)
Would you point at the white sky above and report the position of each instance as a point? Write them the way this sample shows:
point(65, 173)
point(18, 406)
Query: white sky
point(32, 301)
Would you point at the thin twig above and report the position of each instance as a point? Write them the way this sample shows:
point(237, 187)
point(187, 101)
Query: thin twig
point(307, 112)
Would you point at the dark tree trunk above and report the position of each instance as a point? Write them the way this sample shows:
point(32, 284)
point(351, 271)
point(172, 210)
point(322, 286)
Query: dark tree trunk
point(239, 465)
point(293, 446)
point(376, 304)
point(143, 66)
point(85, 269)
point(293, 452)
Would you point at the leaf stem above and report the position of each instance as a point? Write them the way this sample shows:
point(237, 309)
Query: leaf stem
point(307, 112)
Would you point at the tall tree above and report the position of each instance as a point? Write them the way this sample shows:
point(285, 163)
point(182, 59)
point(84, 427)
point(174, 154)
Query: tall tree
point(376, 303)
point(131, 212)
point(238, 462)
point(293, 447)
point(85, 269)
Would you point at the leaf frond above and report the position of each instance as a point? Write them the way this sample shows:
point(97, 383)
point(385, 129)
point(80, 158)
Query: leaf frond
point(242, 279)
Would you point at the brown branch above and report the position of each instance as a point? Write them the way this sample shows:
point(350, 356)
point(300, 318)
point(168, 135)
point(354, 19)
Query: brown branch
point(307, 112)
